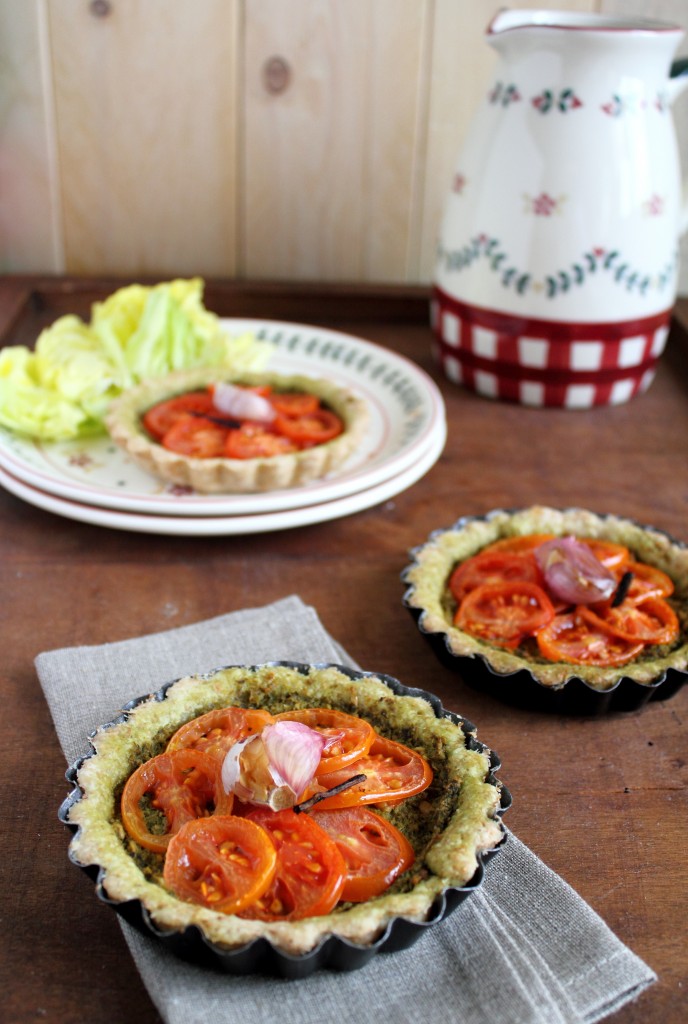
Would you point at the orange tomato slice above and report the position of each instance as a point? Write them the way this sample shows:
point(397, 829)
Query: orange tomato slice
point(375, 852)
point(183, 785)
point(572, 638)
point(224, 863)
point(350, 737)
point(392, 772)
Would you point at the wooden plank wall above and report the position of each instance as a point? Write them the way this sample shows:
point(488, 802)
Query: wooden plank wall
point(305, 140)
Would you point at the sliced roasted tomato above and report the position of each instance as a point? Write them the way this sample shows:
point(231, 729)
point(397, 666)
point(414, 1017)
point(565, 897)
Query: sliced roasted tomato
point(517, 545)
point(160, 417)
point(493, 567)
point(347, 736)
point(612, 556)
point(504, 613)
point(216, 731)
point(196, 437)
point(392, 773)
point(251, 441)
point(653, 621)
point(313, 428)
point(166, 792)
point(310, 871)
point(374, 850)
point(573, 638)
point(294, 403)
point(646, 582)
point(224, 863)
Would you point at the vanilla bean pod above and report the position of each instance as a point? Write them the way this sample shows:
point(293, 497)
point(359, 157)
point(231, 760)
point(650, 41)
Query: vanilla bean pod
point(622, 589)
point(306, 805)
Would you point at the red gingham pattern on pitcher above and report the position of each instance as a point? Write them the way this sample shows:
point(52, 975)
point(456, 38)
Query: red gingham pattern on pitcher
point(546, 362)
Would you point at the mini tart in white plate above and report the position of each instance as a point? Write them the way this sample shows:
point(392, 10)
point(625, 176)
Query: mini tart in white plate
point(225, 475)
point(430, 601)
point(451, 825)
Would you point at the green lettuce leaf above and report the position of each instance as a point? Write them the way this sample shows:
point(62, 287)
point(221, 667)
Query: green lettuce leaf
point(64, 388)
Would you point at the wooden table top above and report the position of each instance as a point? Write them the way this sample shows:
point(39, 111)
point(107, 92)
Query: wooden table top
point(613, 819)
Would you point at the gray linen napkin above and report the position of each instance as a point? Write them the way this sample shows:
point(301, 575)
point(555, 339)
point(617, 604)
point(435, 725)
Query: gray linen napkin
point(524, 949)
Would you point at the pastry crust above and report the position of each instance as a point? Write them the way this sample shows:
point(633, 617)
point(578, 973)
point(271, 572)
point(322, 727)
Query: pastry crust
point(217, 475)
point(429, 597)
point(450, 825)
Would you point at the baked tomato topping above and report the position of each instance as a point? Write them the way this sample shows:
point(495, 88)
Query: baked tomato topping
point(228, 849)
point(612, 556)
point(294, 403)
point(312, 428)
point(652, 621)
point(518, 545)
point(572, 637)
point(164, 415)
point(310, 871)
point(581, 600)
point(503, 613)
point(251, 441)
point(223, 421)
point(392, 772)
point(347, 738)
point(224, 863)
point(180, 786)
point(647, 581)
point(374, 851)
point(216, 731)
point(195, 436)
point(493, 567)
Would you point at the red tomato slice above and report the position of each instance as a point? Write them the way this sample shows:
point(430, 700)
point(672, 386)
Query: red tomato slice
point(160, 417)
point(518, 545)
point(646, 582)
point(393, 772)
point(374, 850)
point(182, 785)
point(218, 730)
point(573, 639)
point(350, 737)
point(251, 441)
point(310, 870)
point(653, 621)
point(493, 567)
point(504, 613)
point(612, 556)
point(224, 863)
point(196, 437)
point(294, 403)
point(313, 428)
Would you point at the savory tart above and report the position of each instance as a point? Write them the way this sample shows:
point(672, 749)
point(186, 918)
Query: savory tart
point(257, 432)
point(555, 595)
point(448, 825)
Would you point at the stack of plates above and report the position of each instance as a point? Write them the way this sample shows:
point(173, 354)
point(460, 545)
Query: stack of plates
point(92, 481)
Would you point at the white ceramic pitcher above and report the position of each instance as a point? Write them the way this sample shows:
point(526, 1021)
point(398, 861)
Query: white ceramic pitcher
point(557, 262)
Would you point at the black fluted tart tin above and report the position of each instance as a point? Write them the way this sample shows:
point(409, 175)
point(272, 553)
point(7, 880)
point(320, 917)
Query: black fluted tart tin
point(334, 952)
point(520, 687)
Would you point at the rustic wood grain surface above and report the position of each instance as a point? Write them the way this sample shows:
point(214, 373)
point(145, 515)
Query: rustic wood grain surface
point(601, 801)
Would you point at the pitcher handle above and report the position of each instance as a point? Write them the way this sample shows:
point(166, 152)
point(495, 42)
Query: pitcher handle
point(678, 81)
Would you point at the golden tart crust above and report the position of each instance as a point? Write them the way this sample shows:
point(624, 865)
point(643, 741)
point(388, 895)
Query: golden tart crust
point(429, 597)
point(450, 825)
point(219, 475)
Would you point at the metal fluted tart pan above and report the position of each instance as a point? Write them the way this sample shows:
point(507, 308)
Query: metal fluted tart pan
point(98, 850)
point(229, 475)
point(510, 676)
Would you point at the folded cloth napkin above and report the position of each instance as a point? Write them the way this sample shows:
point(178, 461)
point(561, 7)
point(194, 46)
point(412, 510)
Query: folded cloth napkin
point(523, 949)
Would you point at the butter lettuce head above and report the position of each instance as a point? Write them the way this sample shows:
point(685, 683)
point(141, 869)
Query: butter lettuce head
point(29, 407)
point(64, 388)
